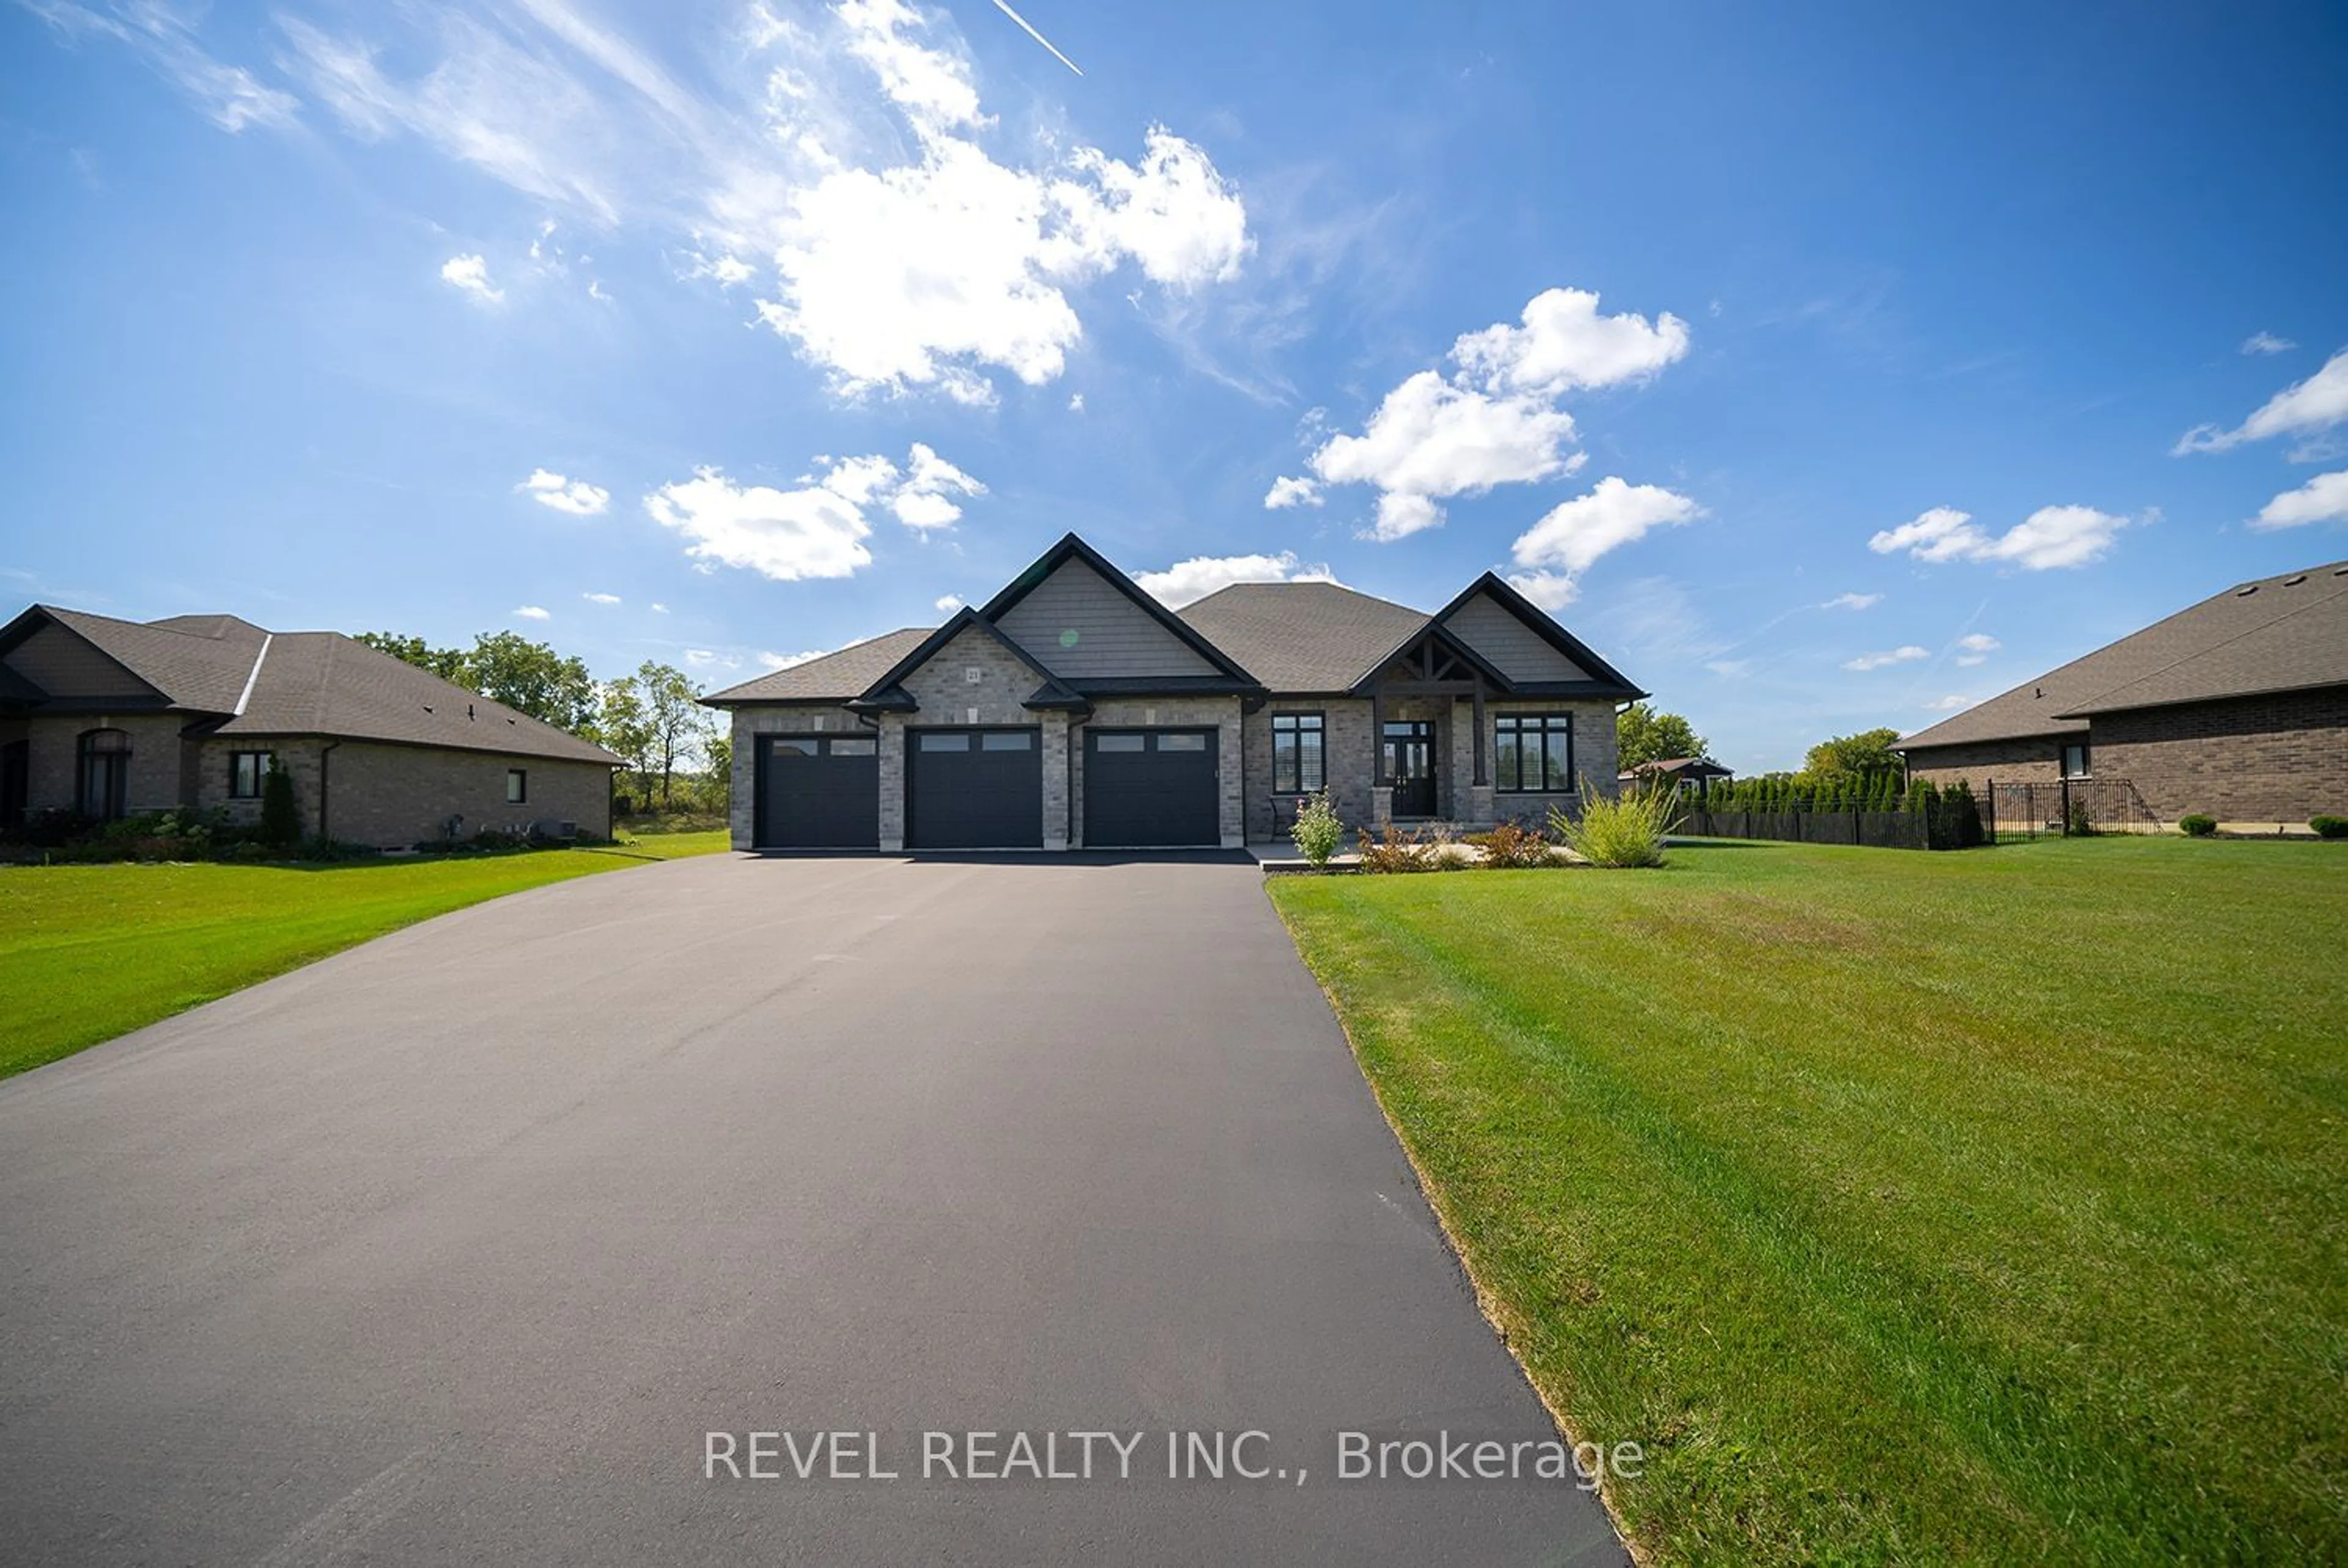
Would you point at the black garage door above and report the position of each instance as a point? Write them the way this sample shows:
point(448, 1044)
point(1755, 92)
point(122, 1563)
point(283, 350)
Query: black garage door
point(974, 789)
point(819, 792)
point(1149, 789)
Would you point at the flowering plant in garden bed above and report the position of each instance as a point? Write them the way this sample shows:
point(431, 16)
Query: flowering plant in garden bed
point(1511, 846)
point(1316, 832)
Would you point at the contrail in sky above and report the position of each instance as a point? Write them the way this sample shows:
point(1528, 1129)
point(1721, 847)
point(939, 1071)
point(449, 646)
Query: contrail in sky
point(1034, 35)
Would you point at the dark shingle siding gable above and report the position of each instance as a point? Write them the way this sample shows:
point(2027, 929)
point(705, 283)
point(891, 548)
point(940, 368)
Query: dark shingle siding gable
point(1508, 644)
point(1079, 626)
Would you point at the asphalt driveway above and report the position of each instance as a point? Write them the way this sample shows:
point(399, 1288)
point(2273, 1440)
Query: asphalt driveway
point(456, 1247)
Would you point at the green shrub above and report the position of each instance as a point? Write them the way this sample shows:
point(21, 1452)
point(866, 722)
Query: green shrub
point(2329, 826)
point(1317, 831)
point(1622, 832)
point(280, 823)
point(2196, 825)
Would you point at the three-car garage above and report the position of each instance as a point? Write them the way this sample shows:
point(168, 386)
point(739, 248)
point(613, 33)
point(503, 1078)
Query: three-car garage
point(982, 787)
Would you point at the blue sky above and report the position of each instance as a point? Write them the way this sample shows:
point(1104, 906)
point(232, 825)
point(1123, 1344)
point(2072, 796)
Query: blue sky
point(1783, 349)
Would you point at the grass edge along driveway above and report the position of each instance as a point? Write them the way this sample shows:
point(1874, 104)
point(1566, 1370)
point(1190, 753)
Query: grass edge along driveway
point(92, 952)
point(1979, 1208)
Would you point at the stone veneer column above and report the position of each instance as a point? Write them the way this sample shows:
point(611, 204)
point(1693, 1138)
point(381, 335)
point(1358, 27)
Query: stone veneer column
point(1055, 780)
point(1381, 806)
point(893, 784)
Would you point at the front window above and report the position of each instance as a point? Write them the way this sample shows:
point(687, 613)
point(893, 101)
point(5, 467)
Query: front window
point(2075, 761)
point(517, 785)
point(1298, 758)
point(105, 780)
point(1533, 753)
point(245, 771)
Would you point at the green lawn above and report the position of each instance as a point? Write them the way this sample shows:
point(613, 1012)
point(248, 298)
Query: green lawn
point(88, 952)
point(1987, 1206)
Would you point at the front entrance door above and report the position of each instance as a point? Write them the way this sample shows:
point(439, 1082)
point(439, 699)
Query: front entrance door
point(1410, 765)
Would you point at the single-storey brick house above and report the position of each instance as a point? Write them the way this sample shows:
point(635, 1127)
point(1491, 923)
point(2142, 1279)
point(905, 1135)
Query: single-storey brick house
point(1074, 711)
point(2236, 707)
point(110, 718)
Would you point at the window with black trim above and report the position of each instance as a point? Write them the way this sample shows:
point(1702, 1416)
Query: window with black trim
point(245, 771)
point(1299, 765)
point(517, 785)
point(1532, 753)
point(2075, 761)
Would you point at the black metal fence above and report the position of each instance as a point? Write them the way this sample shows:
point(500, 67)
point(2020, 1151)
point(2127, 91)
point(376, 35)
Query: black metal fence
point(2067, 808)
point(1947, 823)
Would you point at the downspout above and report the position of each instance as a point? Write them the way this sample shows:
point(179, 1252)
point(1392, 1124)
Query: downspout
point(323, 752)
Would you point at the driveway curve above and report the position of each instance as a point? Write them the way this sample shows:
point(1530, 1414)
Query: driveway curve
point(458, 1247)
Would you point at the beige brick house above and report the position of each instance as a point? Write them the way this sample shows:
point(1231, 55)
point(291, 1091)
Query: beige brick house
point(1074, 711)
point(107, 718)
point(2236, 707)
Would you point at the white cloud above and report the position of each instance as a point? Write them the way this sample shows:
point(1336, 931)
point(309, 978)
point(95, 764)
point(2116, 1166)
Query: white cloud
point(1075, 403)
point(1975, 648)
point(660, 608)
point(576, 497)
point(707, 658)
point(922, 501)
point(785, 660)
point(1200, 576)
point(606, 598)
point(2050, 537)
point(1564, 344)
point(1733, 669)
point(1947, 704)
point(533, 612)
point(1287, 492)
point(1573, 534)
point(2303, 408)
point(1494, 420)
point(470, 274)
point(1552, 590)
point(926, 274)
point(787, 534)
point(1430, 439)
point(1907, 654)
point(946, 603)
point(2323, 499)
point(231, 97)
point(2267, 342)
point(725, 268)
point(818, 527)
point(889, 228)
point(1853, 601)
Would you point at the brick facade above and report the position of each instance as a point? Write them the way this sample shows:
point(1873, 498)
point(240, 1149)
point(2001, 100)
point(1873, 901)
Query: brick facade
point(1346, 736)
point(380, 795)
point(2275, 759)
point(2029, 759)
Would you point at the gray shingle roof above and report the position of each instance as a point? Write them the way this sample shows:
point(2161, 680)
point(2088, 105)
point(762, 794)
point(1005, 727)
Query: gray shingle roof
point(324, 684)
point(834, 677)
point(313, 683)
point(198, 661)
point(1302, 636)
point(2280, 633)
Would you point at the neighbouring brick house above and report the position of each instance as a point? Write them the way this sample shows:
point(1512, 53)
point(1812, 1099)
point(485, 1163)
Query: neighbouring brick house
point(1074, 711)
point(108, 718)
point(2235, 708)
